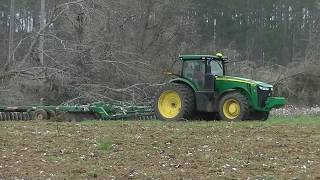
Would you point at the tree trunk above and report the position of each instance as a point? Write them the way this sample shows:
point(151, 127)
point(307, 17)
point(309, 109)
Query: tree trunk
point(42, 23)
point(11, 32)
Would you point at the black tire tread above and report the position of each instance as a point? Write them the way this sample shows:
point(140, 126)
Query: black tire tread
point(243, 103)
point(260, 116)
point(187, 98)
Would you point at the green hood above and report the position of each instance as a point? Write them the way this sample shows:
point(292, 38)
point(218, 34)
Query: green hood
point(244, 80)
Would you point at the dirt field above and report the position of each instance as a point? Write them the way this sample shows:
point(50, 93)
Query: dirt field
point(279, 148)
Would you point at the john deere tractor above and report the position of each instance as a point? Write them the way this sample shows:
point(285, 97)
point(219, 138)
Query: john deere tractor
point(203, 87)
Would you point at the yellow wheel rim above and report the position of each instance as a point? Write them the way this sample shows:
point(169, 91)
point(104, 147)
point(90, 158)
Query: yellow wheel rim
point(231, 109)
point(169, 104)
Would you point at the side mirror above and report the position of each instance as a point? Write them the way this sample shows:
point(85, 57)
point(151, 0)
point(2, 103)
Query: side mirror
point(225, 59)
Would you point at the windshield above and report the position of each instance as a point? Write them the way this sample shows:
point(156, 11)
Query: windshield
point(216, 68)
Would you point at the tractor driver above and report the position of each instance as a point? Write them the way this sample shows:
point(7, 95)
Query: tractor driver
point(195, 71)
point(198, 74)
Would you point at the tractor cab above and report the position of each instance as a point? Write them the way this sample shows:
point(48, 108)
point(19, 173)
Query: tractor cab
point(203, 69)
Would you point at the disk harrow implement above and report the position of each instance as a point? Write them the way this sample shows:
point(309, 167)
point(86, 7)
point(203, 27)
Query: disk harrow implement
point(14, 116)
point(115, 110)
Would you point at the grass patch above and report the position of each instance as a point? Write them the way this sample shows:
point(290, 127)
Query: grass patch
point(93, 172)
point(52, 158)
point(104, 144)
point(294, 120)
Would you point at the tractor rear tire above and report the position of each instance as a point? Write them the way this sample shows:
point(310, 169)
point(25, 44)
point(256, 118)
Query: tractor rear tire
point(234, 106)
point(174, 102)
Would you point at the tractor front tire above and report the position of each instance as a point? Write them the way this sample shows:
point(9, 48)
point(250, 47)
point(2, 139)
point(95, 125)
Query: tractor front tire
point(174, 102)
point(234, 106)
point(259, 116)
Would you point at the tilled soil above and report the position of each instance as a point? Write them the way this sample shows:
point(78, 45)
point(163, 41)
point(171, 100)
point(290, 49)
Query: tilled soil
point(158, 150)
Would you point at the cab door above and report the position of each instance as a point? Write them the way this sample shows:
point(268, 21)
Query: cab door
point(195, 71)
point(199, 72)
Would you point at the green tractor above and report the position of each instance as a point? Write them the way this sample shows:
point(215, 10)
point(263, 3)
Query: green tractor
point(203, 87)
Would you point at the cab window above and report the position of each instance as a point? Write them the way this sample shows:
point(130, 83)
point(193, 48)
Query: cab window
point(195, 72)
point(216, 68)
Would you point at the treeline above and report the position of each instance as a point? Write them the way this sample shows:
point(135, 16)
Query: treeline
point(273, 31)
point(96, 49)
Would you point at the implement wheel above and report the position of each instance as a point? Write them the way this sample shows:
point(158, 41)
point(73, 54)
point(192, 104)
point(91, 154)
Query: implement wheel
point(174, 102)
point(233, 107)
point(40, 115)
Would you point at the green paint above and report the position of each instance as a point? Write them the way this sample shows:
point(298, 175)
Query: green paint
point(198, 57)
point(249, 88)
point(225, 84)
point(274, 102)
point(114, 110)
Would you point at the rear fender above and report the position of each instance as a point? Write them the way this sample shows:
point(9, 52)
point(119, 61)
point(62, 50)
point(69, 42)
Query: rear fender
point(185, 82)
